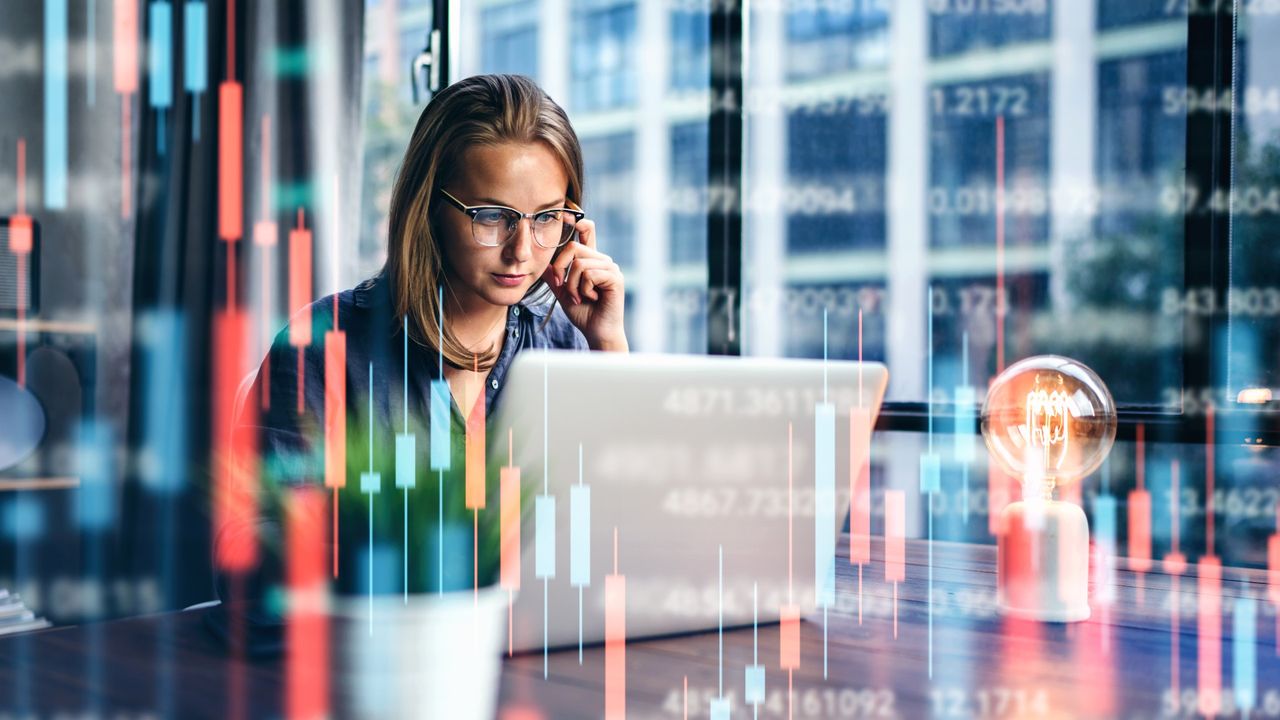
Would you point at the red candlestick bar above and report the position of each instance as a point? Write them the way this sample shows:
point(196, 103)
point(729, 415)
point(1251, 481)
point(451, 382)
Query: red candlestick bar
point(475, 445)
point(235, 491)
point(615, 641)
point(307, 630)
point(125, 78)
point(335, 421)
point(895, 544)
point(21, 239)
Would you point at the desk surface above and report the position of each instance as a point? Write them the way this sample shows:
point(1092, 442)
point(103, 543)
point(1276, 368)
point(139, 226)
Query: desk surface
point(1123, 662)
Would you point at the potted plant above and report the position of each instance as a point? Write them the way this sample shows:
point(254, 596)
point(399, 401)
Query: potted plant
point(420, 617)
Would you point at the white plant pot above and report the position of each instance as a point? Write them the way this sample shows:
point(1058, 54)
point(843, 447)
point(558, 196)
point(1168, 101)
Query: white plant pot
point(436, 656)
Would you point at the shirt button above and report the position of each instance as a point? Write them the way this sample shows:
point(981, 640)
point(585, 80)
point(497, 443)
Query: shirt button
point(515, 333)
point(494, 383)
point(516, 310)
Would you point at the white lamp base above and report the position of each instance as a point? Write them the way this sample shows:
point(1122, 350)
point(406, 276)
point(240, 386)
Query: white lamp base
point(1042, 566)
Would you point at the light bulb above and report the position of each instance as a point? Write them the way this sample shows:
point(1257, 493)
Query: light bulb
point(1049, 420)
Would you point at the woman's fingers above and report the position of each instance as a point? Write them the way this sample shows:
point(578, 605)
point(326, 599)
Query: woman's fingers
point(586, 231)
point(580, 266)
point(594, 279)
point(561, 264)
point(584, 246)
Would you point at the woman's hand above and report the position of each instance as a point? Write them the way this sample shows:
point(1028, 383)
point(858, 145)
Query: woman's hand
point(593, 294)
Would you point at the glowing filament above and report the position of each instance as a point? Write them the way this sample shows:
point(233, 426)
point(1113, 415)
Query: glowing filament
point(1049, 424)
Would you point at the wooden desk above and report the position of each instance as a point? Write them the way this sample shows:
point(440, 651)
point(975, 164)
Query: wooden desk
point(1118, 664)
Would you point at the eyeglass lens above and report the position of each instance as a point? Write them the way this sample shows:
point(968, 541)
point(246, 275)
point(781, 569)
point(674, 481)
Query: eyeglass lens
point(494, 226)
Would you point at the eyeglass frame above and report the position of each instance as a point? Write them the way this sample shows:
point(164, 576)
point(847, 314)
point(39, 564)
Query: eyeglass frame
point(472, 210)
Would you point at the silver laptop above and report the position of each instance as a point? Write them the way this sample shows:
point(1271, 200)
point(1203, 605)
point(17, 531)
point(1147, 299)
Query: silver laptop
point(686, 459)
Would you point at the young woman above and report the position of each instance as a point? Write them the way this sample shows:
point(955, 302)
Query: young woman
point(487, 234)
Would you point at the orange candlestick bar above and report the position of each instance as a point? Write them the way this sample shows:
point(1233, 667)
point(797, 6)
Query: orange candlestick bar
point(124, 48)
point(895, 544)
point(21, 240)
point(230, 161)
point(1140, 509)
point(21, 237)
point(300, 283)
point(21, 230)
point(335, 409)
point(1139, 530)
point(615, 641)
point(895, 533)
point(1175, 563)
point(789, 637)
point(335, 422)
point(1209, 636)
point(510, 528)
point(789, 616)
point(474, 445)
point(307, 630)
point(1273, 574)
point(1273, 567)
point(235, 491)
point(860, 427)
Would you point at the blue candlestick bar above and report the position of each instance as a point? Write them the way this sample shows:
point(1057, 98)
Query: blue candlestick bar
point(195, 53)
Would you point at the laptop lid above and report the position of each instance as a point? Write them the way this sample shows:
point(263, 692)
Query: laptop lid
point(686, 459)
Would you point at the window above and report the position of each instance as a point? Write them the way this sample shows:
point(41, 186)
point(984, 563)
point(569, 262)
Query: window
point(690, 50)
point(603, 55)
point(834, 198)
point(610, 164)
point(826, 38)
point(1138, 12)
point(688, 219)
point(959, 26)
point(510, 42)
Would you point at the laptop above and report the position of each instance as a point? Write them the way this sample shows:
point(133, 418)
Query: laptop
point(684, 460)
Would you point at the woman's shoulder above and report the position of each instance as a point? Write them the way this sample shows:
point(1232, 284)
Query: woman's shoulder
point(356, 309)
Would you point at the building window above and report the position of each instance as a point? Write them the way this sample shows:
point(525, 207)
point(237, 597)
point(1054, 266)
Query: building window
point(510, 39)
point(603, 56)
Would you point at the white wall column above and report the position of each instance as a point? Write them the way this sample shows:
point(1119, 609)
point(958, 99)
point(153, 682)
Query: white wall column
point(554, 37)
point(907, 176)
point(764, 181)
point(652, 154)
point(1072, 132)
point(907, 279)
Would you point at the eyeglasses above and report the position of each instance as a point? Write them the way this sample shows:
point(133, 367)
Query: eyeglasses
point(493, 225)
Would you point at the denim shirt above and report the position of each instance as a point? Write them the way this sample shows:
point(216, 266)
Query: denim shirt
point(284, 413)
point(375, 339)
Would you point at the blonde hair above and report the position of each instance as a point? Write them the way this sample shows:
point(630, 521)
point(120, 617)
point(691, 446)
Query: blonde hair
point(479, 110)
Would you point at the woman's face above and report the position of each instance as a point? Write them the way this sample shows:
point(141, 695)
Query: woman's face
point(527, 177)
